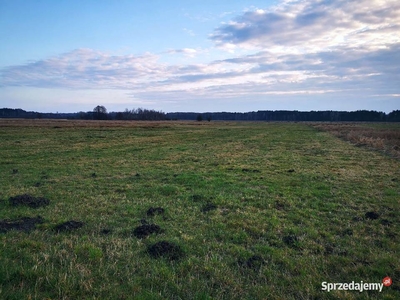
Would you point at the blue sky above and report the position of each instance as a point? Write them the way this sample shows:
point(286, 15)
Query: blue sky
point(225, 55)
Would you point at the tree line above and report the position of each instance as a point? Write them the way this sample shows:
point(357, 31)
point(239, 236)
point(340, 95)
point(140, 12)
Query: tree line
point(292, 115)
point(100, 113)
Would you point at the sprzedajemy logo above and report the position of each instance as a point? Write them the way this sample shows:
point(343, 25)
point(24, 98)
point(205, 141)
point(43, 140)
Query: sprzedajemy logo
point(356, 286)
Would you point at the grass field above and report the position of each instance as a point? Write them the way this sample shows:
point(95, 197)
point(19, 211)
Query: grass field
point(245, 210)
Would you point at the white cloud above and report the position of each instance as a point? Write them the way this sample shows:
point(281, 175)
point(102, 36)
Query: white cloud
point(315, 25)
point(189, 52)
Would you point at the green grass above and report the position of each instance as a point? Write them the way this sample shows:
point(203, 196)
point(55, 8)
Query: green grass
point(285, 192)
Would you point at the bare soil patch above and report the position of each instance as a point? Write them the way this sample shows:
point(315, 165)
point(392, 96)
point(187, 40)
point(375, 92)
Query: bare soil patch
point(69, 226)
point(347, 231)
point(291, 240)
point(24, 224)
point(105, 231)
point(386, 222)
point(254, 262)
point(251, 170)
point(372, 215)
point(152, 211)
point(165, 249)
point(28, 200)
point(145, 230)
point(208, 207)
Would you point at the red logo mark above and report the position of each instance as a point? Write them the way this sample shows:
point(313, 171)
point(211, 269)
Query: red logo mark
point(387, 281)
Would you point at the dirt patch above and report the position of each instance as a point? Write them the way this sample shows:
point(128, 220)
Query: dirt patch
point(386, 222)
point(291, 240)
point(152, 211)
point(280, 205)
point(165, 249)
point(371, 215)
point(251, 170)
point(24, 224)
point(208, 207)
point(255, 262)
point(69, 226)
point(28, 200)
point(145, 230)
point(329, 249)
point(332, 249)
point(347, 231)
point(105, 231)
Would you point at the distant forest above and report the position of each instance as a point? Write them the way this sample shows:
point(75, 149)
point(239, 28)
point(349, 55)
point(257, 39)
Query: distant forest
point(100, 113)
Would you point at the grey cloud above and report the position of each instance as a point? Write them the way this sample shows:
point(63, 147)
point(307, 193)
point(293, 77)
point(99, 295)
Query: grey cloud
point(298, 22)
point(344, 68)
point(249, 26)
point(310, 18)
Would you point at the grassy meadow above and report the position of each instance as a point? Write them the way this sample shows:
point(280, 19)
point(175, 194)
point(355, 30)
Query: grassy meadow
point(250, 210)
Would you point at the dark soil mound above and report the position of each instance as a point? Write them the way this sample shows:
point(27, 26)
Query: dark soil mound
point(68, 226)
point(386, 222)
point(145, 230)
point(251, 170)
point(106, 231)
point(25, 224)
point(208, 207)
point(254, 262)
point(152, 211)
point(347, 231)
point(372, 215)
point(329, 249)
point(28, 200)
point(165, 249)
point(279, 205)
point(291, 240)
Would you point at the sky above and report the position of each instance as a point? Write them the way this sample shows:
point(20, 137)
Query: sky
point(200, 56)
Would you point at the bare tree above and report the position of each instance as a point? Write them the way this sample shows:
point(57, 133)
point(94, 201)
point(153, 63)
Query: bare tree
point(100, 112)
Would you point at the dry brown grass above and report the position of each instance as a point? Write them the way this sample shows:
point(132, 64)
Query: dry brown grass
point(61, 123)
point(78, 123)
point(383, 137)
